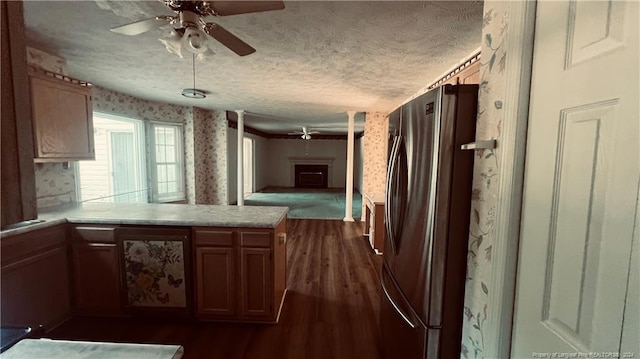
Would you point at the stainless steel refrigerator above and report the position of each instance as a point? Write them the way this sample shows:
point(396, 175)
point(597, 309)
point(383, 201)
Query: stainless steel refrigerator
point(427, 217)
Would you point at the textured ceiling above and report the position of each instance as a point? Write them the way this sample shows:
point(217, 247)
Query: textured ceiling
point(314, 60)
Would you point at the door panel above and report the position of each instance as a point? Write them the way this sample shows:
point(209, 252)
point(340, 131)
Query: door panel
point(412, 267)
point(96, 278)
point(255, 277)
point(215, 280)
point(581, 179)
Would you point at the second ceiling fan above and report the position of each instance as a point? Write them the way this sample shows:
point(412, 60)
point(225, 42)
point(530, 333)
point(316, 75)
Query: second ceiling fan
point(192, 29)
point(305, 134)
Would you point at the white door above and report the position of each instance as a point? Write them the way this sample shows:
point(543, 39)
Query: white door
point(581, 179)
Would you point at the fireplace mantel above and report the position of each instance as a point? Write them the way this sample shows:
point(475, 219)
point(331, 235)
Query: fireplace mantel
point(293, 161)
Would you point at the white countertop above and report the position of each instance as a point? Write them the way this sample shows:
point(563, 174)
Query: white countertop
point(158, 214)
point(68, 349)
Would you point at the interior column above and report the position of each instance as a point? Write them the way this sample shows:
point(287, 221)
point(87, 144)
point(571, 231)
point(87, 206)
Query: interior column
point(348, 216)
point(240, 161)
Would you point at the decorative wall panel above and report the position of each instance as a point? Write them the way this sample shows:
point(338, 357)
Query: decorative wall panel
point(486, 176)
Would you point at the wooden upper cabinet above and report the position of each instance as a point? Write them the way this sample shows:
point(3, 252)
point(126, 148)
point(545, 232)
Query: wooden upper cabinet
point(471, 74)
point(62, 118)
point(467, 76)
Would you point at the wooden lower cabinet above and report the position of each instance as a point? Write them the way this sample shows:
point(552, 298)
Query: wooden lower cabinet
point(96, 278)
point(240, 273)
point(255, 275)
point(96, 270)
point(51, 273)
point(35, 279)
point(216, 281)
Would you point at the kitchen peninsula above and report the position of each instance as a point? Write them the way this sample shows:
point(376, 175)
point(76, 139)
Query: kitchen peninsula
point(204, 262)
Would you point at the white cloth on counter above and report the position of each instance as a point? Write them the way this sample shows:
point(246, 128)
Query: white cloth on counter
point(66, 349)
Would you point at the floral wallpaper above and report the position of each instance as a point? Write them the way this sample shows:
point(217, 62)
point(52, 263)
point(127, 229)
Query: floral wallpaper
point(376, 128)
point(189, 158)
point(485, 178)
point(115, 103)
point(209, 179)
point(204, 139)
point(155, 273)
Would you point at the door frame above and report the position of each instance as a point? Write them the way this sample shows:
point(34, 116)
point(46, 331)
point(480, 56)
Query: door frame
point(512, 145)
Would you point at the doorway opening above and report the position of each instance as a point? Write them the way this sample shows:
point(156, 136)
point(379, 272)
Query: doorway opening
point(248, 166)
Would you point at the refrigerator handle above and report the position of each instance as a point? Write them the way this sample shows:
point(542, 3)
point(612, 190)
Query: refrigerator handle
point(395, 306)
point(387, 206)
point(401, 186)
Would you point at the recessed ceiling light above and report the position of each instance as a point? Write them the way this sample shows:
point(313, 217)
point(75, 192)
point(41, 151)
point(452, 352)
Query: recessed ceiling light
point(193, 93)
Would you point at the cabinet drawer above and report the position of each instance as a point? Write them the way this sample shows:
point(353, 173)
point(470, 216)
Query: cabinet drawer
point(255, 239)
point(212, 237)
point(94, 233)
point(30, 243)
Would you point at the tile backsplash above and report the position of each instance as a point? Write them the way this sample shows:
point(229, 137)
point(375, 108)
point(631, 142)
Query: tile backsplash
point(55, 183)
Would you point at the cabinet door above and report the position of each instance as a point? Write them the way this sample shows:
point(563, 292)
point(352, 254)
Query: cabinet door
point(96, 278)
point(35, 290)
point(215, 281)
point(35, 278)
point(62, 120)
point(256, 295)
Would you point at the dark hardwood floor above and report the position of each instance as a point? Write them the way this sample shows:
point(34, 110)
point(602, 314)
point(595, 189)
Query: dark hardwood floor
point(331, 309)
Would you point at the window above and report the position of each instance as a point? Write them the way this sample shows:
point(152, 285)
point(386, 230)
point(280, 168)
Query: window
point(122, 172)
point(166, 149)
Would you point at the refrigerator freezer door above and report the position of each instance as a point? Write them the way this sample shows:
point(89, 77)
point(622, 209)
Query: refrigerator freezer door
point(403, 333)
point(420, 126)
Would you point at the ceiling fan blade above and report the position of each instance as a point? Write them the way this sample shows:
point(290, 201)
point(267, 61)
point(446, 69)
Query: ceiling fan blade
point(141, 26)
point(224, 8)
point(228, 39)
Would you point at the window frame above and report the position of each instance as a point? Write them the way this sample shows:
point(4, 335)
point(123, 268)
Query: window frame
point(154, 196)
point(140, 143)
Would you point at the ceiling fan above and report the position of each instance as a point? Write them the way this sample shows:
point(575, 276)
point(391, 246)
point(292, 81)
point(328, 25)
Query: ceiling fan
point(304, 134)
point(192, 30)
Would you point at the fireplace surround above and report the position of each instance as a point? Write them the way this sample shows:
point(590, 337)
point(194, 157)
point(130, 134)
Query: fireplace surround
point(314, 170)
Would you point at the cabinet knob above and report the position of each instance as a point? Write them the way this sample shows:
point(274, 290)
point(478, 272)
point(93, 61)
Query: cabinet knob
point(282, 238)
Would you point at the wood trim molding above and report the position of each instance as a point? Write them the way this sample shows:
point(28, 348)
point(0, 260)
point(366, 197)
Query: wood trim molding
point(234, 124)
point(512, 145)
point(451, 73)
point(248, 129)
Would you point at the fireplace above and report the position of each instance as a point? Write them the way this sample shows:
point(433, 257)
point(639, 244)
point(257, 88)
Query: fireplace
point(317, 172)
point(311, 176)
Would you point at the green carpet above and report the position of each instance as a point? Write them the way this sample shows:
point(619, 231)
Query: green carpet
point(307, 203)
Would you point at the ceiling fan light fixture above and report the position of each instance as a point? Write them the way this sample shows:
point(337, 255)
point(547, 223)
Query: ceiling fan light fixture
point(193, 93)
point(195, 40)
point(173, 43)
